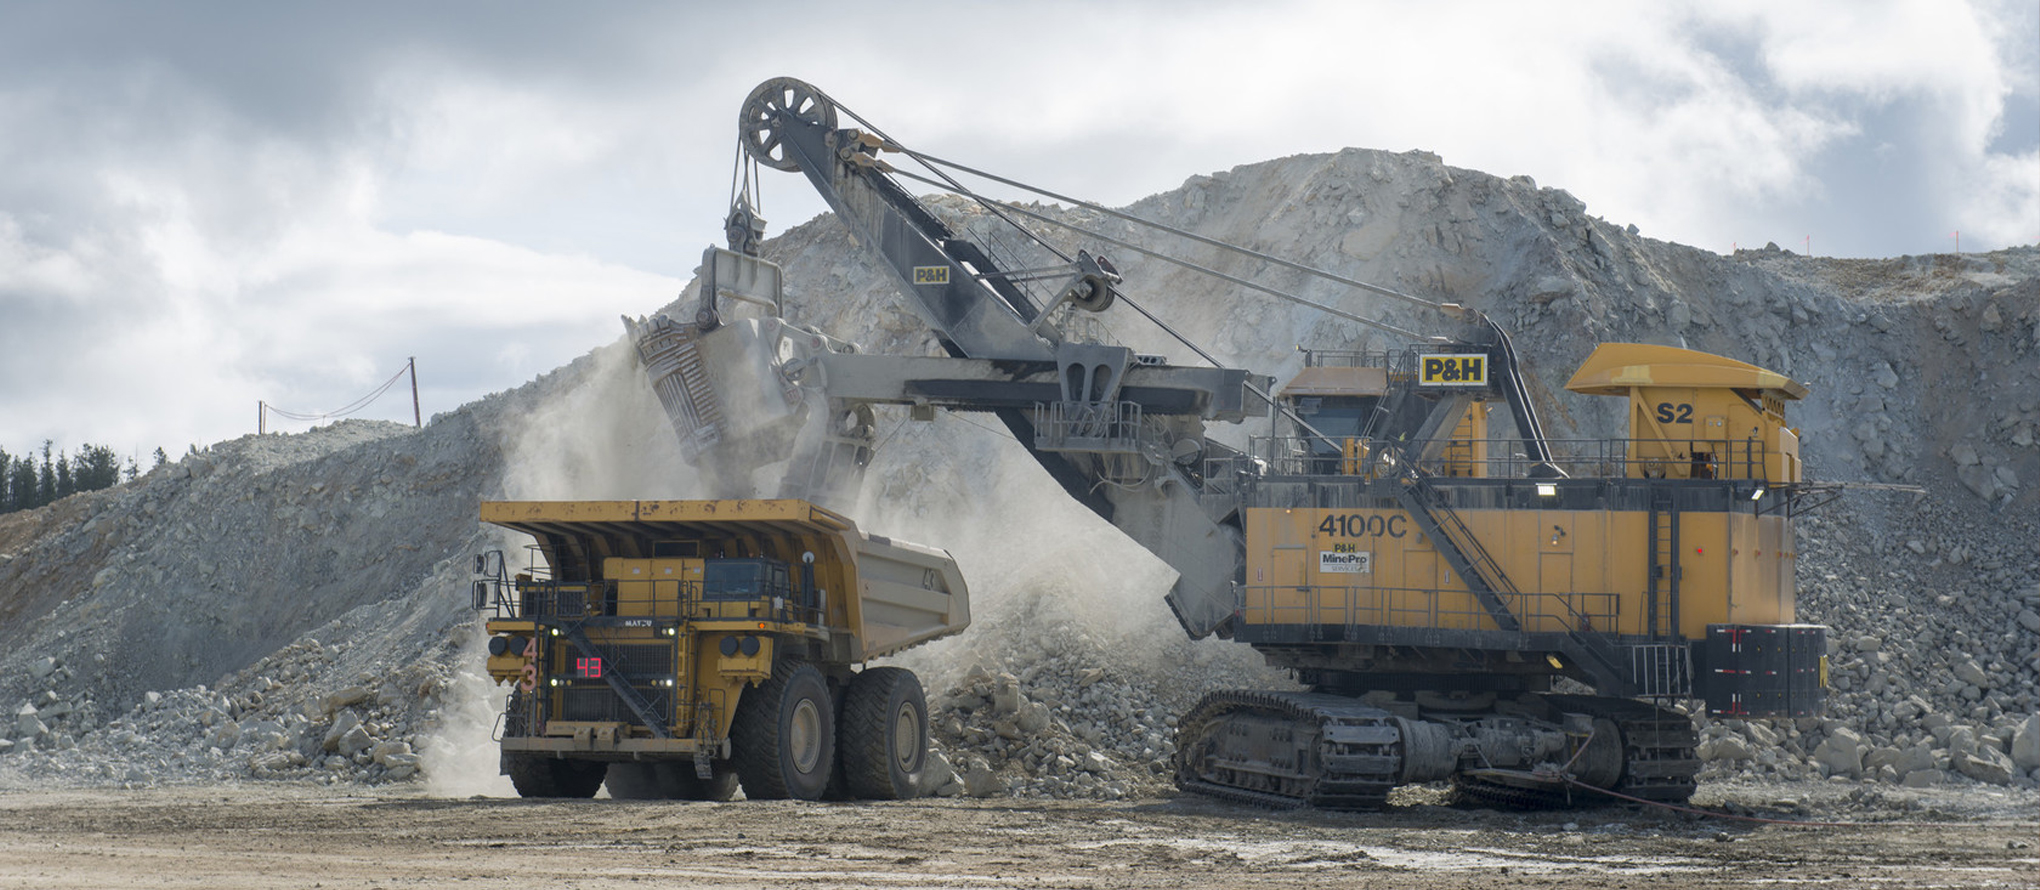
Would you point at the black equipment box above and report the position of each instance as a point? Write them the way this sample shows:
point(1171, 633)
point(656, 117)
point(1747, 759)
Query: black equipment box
point(1762, 670)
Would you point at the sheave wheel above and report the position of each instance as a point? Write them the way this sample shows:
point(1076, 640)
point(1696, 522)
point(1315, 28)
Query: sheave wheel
point(885, 734)
point(550, 777)
point(759, 126)
point(784, 735)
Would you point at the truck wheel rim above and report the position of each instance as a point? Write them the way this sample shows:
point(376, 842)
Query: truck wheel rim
point(805, 735)
point(906, 737)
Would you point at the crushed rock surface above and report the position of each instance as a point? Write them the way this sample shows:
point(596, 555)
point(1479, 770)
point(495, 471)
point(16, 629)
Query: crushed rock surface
point(270, 834)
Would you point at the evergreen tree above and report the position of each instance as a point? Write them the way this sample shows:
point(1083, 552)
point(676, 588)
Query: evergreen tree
point(21, 484)
point(97, 467)
point(26, 483)
point(66, 485)
point(46, 477)
point(161, 458)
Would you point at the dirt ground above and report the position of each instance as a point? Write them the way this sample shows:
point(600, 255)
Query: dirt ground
point(272, 836)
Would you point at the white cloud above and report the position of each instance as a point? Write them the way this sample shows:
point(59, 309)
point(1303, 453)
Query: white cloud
point(179, 238)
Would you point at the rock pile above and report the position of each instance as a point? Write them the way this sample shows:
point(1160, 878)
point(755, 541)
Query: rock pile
point(47, 720)
point(1059, 710)
point(267, 722)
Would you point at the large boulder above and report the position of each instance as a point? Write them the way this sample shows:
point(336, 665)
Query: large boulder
point(1726, 747)
point(1968, 671)
point(2026, 744)
point(980, 781)
point(1924, 778)
point(1986, 765)
point(354, 741)
point(1841, 754)
point(938, 778)
point(347, 722)
point(1916, 758)
point(1878, 758)
point(391, 753)
point(27, 723)
point(346, 697)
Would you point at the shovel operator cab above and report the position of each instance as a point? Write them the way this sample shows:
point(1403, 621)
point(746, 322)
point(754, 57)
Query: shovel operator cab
point(672, 649)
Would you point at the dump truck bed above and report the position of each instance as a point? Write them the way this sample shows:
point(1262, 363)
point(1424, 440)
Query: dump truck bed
point(904, 594)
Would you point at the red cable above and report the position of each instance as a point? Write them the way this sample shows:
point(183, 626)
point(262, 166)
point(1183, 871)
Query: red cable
point(1801, 823)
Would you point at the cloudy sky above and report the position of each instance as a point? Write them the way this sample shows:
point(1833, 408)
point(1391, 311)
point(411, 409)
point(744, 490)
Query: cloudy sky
point(208, 205)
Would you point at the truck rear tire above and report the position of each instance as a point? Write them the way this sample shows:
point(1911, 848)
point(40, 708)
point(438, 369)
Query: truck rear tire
point(633, 781)
point(885, 734)
point(720, 786)
point(784, 735)
point(538, 776)
point(668, 781)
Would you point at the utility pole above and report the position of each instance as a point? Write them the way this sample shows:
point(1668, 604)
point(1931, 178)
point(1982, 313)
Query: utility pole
point(261, 417)
point(417, 420)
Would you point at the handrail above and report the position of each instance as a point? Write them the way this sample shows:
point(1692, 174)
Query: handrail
point(1731, 459)
point(1363, 605)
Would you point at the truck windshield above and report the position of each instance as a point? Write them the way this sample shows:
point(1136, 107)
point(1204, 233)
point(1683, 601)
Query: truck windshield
point(731, 579)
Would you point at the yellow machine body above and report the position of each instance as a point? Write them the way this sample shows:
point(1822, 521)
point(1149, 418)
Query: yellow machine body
point(1649, 539)
point(1693, 415)
point(1570, 567)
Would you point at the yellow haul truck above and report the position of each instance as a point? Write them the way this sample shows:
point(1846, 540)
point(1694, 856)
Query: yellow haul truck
point(675, 648)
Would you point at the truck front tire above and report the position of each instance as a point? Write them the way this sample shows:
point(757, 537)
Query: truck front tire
point(885, 734)
point(540, 776)
point(668, 781)
point(784, 735)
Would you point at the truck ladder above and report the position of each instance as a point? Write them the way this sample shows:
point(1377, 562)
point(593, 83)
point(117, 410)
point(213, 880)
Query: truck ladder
point(1664, 563)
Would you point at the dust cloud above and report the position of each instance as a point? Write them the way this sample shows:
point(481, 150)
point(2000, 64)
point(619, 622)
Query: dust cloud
point(459, 757)
point(1036, 562)
point(602, 437)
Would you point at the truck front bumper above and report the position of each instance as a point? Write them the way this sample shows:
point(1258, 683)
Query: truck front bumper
point(611, 741)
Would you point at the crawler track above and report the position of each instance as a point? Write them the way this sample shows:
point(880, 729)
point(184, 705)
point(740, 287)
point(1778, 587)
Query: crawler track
point(1285, 750)
point(1279, 749)
point(1659, 763)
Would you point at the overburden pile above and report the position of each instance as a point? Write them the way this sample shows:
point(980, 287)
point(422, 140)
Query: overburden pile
point(294, 607)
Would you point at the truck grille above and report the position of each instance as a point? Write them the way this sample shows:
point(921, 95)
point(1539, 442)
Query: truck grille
point(638, 661)
point(598, 703)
